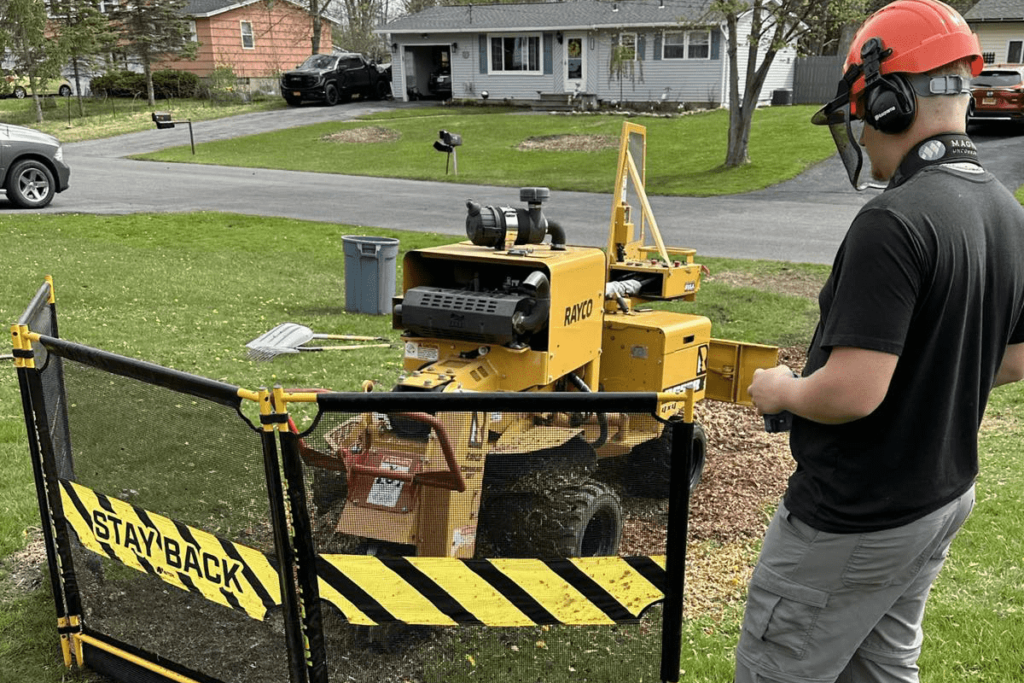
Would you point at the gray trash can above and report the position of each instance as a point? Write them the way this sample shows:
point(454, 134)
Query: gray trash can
point(370, 267)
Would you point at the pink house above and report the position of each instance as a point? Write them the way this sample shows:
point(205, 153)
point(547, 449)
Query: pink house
point(256, 38)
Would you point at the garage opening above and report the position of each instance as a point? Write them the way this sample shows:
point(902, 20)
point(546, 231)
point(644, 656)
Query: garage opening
point(428, 72)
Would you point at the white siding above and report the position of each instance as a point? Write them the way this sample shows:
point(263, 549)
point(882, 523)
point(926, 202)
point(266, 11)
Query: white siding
point(996, 37)
point(680, 80)
point(780, 75)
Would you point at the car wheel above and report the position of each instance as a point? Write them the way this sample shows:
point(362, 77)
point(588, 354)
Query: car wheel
point(65, 91)
point(30, 184)
point(19, 92)
point(383, 90)
point(331, 95)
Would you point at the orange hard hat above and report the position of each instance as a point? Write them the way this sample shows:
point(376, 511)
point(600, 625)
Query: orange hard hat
point(921, 34)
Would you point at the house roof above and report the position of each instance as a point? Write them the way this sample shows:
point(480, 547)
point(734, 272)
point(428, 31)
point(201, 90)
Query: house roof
point(996, 10)
point(562, 16)
point(209, 8)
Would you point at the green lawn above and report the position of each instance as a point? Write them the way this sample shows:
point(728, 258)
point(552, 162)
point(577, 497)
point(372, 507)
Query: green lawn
point(684, 154)
point(188, 291)
point(105, 117)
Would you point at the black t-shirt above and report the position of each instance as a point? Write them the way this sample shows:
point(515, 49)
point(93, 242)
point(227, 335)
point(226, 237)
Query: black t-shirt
point(932, 271)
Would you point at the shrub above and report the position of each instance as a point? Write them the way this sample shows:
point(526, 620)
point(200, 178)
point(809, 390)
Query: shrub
point(169, 83)
point(119, 84)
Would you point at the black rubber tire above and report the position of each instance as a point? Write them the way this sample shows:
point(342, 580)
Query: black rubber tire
point(331, 95)
point(650, 464)
point(19, 92)
point(30, 184)
point(503, 470)
point(382, 90)
point(576, 520)
point(65, 91)
point(330, 488)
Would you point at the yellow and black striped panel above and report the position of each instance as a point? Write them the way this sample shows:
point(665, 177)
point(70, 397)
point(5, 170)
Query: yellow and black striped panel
point(441, 591)
point(223, 572)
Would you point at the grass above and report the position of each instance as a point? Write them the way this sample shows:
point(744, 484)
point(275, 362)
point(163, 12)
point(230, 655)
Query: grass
point(115, 116)
point(684, 153)
point(199, 287)
point(188, 291)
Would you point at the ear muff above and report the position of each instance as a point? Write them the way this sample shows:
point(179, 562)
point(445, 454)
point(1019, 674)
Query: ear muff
point(889, 100)
point(890, 104)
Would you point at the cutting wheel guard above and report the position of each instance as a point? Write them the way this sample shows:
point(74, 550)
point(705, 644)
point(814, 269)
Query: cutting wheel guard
point(450, 479)
point(354, 463)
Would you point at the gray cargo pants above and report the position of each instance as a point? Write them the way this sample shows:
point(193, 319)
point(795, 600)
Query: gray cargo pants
point(842, 608)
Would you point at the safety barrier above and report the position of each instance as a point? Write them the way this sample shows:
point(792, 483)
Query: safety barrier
point(194, 533)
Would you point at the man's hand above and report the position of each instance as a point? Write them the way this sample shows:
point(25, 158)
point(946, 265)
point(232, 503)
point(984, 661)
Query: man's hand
point(852, 385)
point(768, 391)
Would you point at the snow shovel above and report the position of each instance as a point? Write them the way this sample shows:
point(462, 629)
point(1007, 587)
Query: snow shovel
point(288, 337)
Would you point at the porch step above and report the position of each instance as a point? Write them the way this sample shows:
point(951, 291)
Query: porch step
point(561, 101)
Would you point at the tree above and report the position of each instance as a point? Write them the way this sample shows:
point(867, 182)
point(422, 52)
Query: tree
point(360, 18)
point(152, 31)
point(623, 64)
point(24, 36)
point(318, 10)
point(84, 34)
point(774, 24)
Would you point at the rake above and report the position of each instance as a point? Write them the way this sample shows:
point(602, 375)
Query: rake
point(290, 337)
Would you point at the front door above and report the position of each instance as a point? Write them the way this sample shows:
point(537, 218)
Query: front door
point(575, 62)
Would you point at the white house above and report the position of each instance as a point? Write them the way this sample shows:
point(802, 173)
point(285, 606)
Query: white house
point(1000, 28)
point(523, 52)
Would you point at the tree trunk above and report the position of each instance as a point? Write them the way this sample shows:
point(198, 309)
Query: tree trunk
point(741, 115)
point(736, 152)
point(314, 11)
point(78, 87)
point(740, 119)
point(150, 94)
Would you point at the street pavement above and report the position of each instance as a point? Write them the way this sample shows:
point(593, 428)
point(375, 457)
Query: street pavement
point(801, 220)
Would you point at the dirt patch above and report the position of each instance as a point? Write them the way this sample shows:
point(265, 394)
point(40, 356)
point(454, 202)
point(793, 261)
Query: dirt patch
point(744, 477)
point(22, 572)
point(364, 135)
point(568, 143)
point(792, 282)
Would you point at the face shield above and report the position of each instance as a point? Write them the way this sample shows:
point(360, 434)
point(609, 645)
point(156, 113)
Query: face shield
point(846, 131)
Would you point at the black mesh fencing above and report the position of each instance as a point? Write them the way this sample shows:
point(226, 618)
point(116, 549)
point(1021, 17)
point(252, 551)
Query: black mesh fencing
point(165, 523)
point(489, 543)
point(399, 537)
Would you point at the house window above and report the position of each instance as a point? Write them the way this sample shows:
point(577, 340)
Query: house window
point(988, 57)
point(106, 6)
point(192, 36)
point(248, 42)
point(628, 43)
point(515, 53)
point(1013, 52)
point(686, 45)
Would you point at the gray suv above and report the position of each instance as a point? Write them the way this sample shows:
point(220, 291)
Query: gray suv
point(32, 167)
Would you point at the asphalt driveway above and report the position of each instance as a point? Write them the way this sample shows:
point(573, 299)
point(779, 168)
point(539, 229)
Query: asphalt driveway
point(801, 220)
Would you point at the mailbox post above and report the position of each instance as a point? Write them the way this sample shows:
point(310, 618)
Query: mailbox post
point(162, 119)
point(448, 143)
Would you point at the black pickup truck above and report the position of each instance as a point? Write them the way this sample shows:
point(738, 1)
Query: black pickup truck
point(335, 78)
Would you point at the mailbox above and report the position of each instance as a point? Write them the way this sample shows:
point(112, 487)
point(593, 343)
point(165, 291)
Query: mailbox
point(162, 119)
